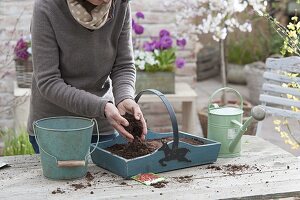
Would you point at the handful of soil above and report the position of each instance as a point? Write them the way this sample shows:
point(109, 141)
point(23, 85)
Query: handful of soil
point(135, 126)
point(136, 148)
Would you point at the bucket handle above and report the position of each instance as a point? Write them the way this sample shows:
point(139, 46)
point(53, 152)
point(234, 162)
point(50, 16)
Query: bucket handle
point(211, 106)
point(170, 111)
point(69, 163)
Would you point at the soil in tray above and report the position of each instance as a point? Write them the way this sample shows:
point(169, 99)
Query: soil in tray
point(141, 148)
point(138, 147)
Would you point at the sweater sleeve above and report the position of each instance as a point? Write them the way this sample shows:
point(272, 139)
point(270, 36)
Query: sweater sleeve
point(47, 73)
point(123, 72)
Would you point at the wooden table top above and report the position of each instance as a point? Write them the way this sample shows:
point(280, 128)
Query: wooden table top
point(272, 173)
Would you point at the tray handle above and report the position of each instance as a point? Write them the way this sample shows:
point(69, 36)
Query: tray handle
point(170, 111)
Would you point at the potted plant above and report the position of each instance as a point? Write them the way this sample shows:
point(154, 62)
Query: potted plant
point(23, 62)
point(156, 59)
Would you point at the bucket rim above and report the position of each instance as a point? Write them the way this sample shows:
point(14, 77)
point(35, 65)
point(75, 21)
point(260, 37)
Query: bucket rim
point(35, 123)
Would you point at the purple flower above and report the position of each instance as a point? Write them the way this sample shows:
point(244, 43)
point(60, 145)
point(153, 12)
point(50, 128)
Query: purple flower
point(133, 23)
point(149, 46)
point(138, 29)
point(166, 42)
point(157, 44)
point(180, 62)
point(163, 33)
point(140, 15)
point(23, 55)
point(20, 50)
point(181, 43)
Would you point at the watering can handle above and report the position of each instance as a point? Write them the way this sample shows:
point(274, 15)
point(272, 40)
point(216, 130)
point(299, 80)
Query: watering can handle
point(170, 111)
point(221, 89)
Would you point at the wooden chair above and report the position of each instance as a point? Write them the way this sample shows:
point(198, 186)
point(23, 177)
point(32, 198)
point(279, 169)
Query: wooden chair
point(274, 96)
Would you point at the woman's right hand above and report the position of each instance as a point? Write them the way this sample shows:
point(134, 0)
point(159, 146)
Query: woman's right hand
point(116, 120)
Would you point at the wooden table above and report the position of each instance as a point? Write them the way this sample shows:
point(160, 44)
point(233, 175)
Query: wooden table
point(272, 173)
point(185, 95)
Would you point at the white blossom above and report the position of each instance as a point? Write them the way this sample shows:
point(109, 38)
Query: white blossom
point(29, 50)
point(143, 58)
point(218, 17)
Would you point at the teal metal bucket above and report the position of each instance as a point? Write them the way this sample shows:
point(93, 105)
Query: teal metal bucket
point(64, 144)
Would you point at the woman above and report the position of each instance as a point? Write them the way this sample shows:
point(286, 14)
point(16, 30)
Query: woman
point(82, 58)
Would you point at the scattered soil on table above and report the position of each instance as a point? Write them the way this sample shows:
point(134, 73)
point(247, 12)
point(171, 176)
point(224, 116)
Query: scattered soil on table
point(161, 184)
point(231, 169)
point(184, 179)
point(78, 186)
point(58, 191)
point(89, 176)
point(141, 148)
point(123, 183)
point(214, 167)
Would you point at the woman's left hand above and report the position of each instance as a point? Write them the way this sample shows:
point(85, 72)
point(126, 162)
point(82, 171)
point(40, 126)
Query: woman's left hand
point(130, 106)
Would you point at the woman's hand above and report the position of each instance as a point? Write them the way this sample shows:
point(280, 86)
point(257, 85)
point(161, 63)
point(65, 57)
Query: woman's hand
point(116, 120)
point(130, 106)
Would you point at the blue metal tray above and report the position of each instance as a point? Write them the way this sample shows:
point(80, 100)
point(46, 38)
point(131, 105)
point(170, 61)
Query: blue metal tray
point(171, 156)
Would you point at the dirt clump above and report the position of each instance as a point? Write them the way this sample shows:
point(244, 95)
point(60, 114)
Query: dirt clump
point(78, 186)
point(184, 179)
point(58, 191)
point(232, 168)
point(214, 167)
point(123, 183)
point(161, 184)
point(89, 176)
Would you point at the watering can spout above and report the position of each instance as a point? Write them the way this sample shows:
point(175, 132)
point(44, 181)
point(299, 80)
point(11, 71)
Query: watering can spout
point(258, 113)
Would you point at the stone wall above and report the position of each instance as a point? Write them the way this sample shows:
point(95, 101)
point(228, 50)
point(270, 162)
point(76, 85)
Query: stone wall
point(15, 16)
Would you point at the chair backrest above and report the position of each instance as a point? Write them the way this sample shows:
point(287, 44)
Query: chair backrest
point(275, 96)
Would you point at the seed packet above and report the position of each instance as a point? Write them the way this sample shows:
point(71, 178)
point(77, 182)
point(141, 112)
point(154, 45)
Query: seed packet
point(148, 178)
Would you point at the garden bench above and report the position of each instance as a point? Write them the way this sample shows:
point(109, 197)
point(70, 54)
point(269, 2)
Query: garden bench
point(275, 97)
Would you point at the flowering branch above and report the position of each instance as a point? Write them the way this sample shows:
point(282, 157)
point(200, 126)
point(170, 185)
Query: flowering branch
point(213, 16)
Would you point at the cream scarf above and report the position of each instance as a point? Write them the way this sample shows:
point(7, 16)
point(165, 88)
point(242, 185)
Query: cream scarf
point(94, 20)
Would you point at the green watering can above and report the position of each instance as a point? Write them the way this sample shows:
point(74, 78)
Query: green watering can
point(225, 124)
